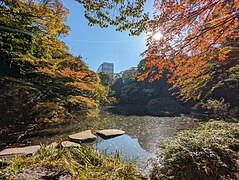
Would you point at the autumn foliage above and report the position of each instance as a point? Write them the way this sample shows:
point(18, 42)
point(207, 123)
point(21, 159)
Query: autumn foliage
point(200, 41)
point(57, 85)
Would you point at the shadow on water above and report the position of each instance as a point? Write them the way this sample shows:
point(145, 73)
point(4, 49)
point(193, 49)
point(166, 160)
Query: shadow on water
point(129, 110)
point(26, 135)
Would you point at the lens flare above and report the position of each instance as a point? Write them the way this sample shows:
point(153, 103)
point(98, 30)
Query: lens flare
point(157, 36)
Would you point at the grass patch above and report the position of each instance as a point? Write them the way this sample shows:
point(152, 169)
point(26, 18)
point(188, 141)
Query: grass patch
point(209, 152)
point(80, 163)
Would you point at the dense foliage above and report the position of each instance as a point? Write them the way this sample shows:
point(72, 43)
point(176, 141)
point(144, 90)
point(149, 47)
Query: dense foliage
point(120, 13)
point(36, 66)
point(41, 82)
point(30, 30)
point(209, 152)
point(198, 49)
point(144, 97)
point(105, 79)
point(193, 29)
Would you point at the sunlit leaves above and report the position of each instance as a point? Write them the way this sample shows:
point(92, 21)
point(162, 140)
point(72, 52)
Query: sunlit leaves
point(32, 27)
point(83, 91)
point(125, 15)
point(29, 39)
point(196, 36)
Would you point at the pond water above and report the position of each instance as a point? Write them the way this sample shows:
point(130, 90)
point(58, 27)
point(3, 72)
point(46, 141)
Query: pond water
point(143, 133)
point(128, 147)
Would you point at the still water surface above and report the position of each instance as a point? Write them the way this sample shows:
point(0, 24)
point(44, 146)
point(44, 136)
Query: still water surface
point(143, 133)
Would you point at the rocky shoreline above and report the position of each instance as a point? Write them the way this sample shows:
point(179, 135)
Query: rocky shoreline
point(75, 140)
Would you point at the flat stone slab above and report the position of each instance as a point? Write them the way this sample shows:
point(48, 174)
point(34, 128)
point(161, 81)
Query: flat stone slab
point(28, 150)
point(84, 136)
point(69, 144)
point(108, 133)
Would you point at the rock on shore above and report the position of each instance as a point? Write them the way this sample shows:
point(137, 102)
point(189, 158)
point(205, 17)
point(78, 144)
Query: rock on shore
point(108, 133)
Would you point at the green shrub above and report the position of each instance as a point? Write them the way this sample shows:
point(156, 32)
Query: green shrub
point(221, 109)
point(218, 108)
point(17, 98)
point(159, 106)
point(206, 153)
point(50, 112)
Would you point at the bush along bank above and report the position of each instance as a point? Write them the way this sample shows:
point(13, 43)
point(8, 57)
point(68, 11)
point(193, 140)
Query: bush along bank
point(210, 152)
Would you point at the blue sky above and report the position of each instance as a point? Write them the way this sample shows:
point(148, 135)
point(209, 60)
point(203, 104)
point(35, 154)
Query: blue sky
point(97, 45)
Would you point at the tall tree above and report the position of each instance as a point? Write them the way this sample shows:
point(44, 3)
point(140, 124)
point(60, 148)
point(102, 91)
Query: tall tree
point(195, 35)
point(30, 29)
point(31, 47)
point(196, 49)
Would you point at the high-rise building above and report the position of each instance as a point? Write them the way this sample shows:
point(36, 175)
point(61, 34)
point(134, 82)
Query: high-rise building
point(106, 68)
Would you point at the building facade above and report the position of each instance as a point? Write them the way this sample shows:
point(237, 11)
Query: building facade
point(106, 68)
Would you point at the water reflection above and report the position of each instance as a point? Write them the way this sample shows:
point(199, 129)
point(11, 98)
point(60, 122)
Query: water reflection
point(147, 129)
point(144, 133)
point(129, 148)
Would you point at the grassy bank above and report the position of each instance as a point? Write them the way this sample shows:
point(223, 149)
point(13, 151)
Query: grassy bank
point(209, 152)
point(74, 163)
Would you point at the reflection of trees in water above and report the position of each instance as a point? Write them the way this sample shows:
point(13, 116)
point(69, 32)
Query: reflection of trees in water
point(162, 128)
point(149, 130)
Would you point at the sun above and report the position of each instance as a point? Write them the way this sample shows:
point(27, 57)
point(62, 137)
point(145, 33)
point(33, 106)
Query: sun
point(157, 36)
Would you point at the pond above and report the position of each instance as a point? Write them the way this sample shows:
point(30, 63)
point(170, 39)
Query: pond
point(143, 133)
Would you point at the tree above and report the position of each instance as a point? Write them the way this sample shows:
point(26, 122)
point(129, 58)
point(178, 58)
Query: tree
point(198, 48)
point(120, 13)
point(138, 94)
point(105, 78)
point(30, 30)
point(195, 37)
point(30, 46)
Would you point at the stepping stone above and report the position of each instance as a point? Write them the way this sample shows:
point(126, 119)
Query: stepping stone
point(84, 136)
point(108, 133)
point(69, 144)
point(22, 151)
